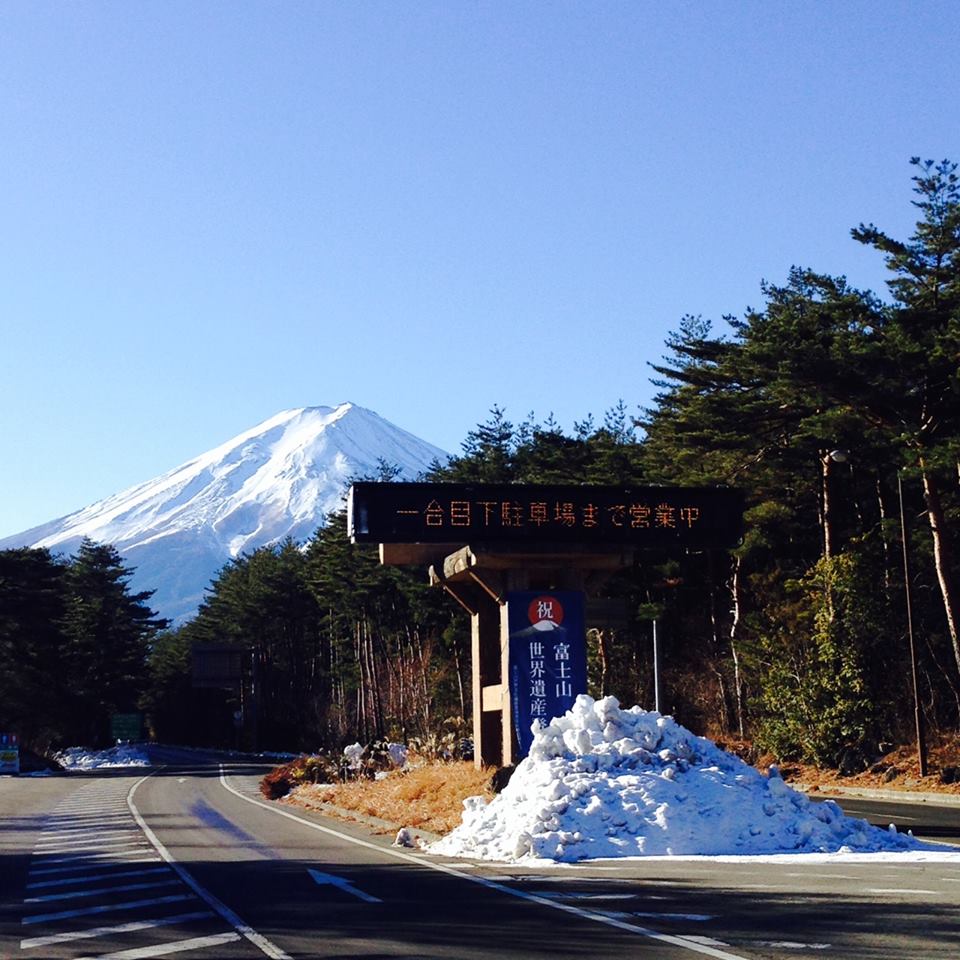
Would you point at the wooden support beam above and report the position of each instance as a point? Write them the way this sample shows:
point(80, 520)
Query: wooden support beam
point(463, 593)
point(491, 591)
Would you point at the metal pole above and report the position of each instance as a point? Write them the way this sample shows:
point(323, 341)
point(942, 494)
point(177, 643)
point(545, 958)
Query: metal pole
point(656, 670)
point(918, 713)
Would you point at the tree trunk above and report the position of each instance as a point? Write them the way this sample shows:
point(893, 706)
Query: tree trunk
point(888, 578)
point(604, 660)
point(459, 667)
point(734, 624)
point(941, 557)
point(826, 512)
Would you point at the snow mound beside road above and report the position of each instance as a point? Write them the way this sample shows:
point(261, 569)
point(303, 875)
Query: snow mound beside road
point(601, 781)
point(122, 755)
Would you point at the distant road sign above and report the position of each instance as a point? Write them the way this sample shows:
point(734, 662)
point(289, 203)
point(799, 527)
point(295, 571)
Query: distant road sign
point(218, 665)
point(454, 513)
point(9, 753)
point(126, 726)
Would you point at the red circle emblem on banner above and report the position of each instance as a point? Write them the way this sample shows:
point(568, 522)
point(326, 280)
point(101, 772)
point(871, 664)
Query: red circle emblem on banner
point(545, 608)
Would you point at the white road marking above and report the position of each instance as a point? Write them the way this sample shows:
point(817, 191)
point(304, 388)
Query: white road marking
point(919, 893)
point(105, 908)
point(823, 876)
point(91, 859)
point(87, 863)
point(165, 949)
point(73, 825)
point(396, 853)
point(343, 884)
point(540, 878)
point(791, 945)
point(570, 895)
point(133, 927)
point(258, 940)
point(694, 917)
point(81, 846)
point(87, 831)
point(94, 877)
point(97, 891)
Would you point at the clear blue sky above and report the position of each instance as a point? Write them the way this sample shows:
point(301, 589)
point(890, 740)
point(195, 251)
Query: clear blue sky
point(213, 211)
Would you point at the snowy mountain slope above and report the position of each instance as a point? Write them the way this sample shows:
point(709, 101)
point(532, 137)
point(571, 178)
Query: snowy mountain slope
point(275, 480)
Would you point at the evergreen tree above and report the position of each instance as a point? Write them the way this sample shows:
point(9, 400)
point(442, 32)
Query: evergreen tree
point(34, 677)
point(915, 378)
point(108, 632)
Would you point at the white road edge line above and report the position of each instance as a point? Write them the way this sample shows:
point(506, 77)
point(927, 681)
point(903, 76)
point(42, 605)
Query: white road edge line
point(676, 941)
point(258, 940)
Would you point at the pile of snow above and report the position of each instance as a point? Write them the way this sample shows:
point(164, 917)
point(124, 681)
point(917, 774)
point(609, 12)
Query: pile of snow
point(605, 782)
point(122, 755)
point(355, 755)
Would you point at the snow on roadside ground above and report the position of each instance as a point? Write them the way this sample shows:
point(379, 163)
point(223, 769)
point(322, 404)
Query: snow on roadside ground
point(605, 782)
point(122, 755)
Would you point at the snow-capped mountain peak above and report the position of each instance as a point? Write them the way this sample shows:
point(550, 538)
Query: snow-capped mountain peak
point(278, 479)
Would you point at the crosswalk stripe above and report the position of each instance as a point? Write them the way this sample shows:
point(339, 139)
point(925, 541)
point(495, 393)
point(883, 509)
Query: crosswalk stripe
point(105, 839)
point(97, 891)
point(165, 949)
point(106, 908)
point(92, 858)
point(87, 830)
point(92, 932)
point(76, 881)
point(87, 864)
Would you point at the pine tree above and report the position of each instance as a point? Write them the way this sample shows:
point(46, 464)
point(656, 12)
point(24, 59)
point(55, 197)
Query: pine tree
point(34, 678)
point(108, 632)
point(916, 372)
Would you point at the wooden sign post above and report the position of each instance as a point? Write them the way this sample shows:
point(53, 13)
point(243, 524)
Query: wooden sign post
point(482, 542)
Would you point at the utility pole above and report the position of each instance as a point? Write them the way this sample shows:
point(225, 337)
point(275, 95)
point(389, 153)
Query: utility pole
point(917, 711)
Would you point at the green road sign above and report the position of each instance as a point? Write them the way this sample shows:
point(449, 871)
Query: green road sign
point(126, 726)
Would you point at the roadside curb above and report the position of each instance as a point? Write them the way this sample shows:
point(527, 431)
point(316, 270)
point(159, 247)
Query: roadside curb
point(899, 796)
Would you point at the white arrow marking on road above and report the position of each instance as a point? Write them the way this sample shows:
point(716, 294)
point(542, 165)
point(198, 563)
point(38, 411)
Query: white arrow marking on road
point(340, 883)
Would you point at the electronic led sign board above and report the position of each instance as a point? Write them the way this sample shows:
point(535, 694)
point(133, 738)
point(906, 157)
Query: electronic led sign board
point(456, 513)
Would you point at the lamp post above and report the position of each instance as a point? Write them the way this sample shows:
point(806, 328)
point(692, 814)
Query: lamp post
point(834, 456)
point(917, 711)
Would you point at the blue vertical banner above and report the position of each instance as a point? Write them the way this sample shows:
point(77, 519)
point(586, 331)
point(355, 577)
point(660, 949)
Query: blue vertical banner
point(548, 657)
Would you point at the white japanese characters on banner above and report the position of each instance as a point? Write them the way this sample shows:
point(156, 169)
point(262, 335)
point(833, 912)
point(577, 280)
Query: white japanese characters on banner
point(548, 658)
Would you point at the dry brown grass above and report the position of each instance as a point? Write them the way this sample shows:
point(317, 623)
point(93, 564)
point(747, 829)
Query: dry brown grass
point(898, 770)
point(428, 797)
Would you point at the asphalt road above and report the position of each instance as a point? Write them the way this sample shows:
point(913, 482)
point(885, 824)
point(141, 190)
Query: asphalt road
point(190, 861)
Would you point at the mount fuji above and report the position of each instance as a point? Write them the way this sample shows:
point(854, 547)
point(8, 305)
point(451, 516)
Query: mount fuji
point(279, 479)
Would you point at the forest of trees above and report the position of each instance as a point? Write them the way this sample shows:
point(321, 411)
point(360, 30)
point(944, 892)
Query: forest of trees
point(819, 405)
point(75, 644)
